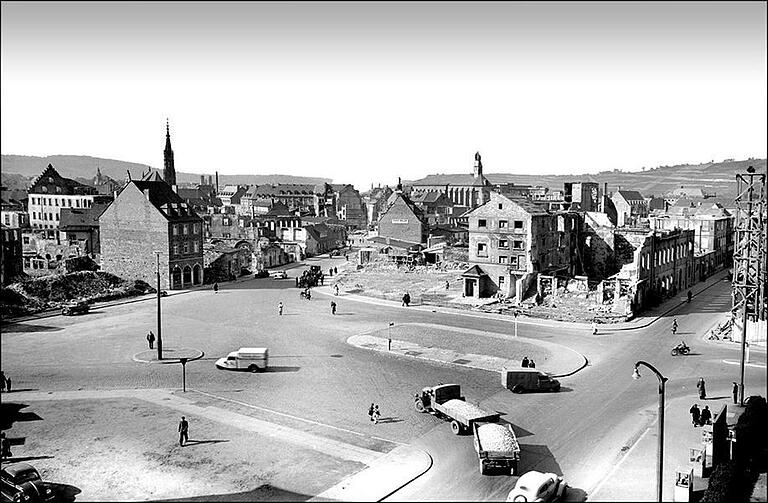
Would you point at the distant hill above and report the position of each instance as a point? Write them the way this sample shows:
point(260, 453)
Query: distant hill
point(716, 177)
point(82, 166)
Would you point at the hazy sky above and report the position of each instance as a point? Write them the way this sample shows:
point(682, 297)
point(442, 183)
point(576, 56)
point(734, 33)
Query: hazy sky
point(367, 92)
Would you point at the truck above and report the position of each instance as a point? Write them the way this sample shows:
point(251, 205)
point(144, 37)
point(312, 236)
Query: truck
point(251, 359)
point(496, 446)
point(445, 401)
point(520, 380)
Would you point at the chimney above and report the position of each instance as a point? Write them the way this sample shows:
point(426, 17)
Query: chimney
point(202, 179)
point(210, 180)
point(217, 182)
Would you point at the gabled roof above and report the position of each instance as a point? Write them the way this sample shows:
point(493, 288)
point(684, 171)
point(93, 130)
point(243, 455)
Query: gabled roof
point(67, 185)
point(630, 195)
point(81, 217)
point(427, 197)
point(474, 272)
point(162, 197)
point(524, 204)
point(459, 179)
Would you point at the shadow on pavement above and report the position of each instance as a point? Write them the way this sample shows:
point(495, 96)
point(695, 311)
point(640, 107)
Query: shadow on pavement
point(18, 459)
point(390, 420)
point(64, 492)
point(265, 492)
point(11, 413)
point(281, 368)
point(16, 328)
point(197, 442)
point(519, 431)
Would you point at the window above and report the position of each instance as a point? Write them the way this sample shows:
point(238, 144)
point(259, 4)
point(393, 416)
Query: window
point(503, 244)
point(501, 278)
point(482, 250)
point(517, 244)
point(58, 190)
point(25, 239)
point(44, 188)
point(56, 201)
point(482, 223)
point(69, 203)
point(503, 224)
point(196, 247)
point(225, 221)
point(186, 247)
point(501, 206)
point(185, 229)
point(513, 262)
point(175, 249)
point(175, 229)
point(518, 224)
point(502, 259)
point(50, 179)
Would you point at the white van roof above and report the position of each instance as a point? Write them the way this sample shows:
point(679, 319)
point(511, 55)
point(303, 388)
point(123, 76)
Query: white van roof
point(252, 350)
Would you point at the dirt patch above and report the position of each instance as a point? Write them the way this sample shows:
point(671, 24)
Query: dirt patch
point(127, 449)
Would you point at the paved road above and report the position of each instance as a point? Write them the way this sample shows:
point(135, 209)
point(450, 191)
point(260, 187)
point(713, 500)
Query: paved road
point(316, 376)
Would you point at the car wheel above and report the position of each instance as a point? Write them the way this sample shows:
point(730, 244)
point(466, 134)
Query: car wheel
point(253, 368)
point(419, 406)
point(518, 388)
point(455, 427)
point(520, 497)
point(483, 468)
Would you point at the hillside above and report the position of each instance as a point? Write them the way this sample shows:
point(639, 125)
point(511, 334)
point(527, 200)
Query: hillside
point(81, 166)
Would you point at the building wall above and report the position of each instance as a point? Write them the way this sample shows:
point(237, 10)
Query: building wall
point(350, 208)
point(12, 258)
point(14, 218)
point(45, 209)
point(399, 222)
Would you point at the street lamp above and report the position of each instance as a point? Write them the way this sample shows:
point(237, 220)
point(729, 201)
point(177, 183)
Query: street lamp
point(159, 326)
point(660, 460)
point(516, 313)
point(389, 336)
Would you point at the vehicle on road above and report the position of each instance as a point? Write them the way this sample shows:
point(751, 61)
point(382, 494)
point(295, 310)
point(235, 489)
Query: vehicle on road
point(21, 482)
point(250, 359)
point(496, 446)
point(681, 349)
point(445, 401)
point(75, 307)
point(537, 486)
point(334, 253)
point(279, 274)
point(528, 379)
point(263, 273)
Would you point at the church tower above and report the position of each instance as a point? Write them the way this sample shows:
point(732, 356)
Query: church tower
point(169, 171)
point(478, 170)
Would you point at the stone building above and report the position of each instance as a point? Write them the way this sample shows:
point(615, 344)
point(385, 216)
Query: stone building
point(105, 185)
point(350, 207)
point(513, 241)
point(223, 262)
point(436, 206)
point(50, 192)
point(598, 245)
point(375, 201)
point(231, 195)
point(147, 216)
point(467, 191)
point(584, 196)
point(81, 227)
point(13, 214)
point(630, 206)
point(11, 260)
point(403, 220)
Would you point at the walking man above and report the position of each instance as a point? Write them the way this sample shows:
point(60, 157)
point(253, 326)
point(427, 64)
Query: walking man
point(376, 415)
point(735, 393)
point(336, 290)
point(183, 431)
point(594, 327)
point(370, 412)
point(524, 363)
point(702, 388)
point(333, 307)
point(280, 308)
point(151, 340)
point(8, 383)
point(706, 416)
point(216, 287)
point(531, 364)
point(335, 271)
point(695, 414)
point(690, 295)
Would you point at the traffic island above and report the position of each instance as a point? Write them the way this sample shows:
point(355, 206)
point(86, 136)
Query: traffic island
point(170, 355)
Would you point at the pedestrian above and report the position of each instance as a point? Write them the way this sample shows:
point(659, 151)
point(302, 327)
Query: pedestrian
point(376, 415)
point(735, 393)
point(2, 377)
point(594, 328)
point(702, 388)
point(335, 270)
point(531, 364)
point(216, 287)
point(674, 326)
point(330, 271)
point(690, 295)
point(183, 431)
point(151, 340)
point(297, 281)
point(5, 446)
point(370, 412)
point(336, 290)
point(406, 299)
point(8, 383)
point(524, 363)
point(706, 416)
point(447, 284)
point(333, 307)
point(322, 279)
point(695, 414)
point(280, 308)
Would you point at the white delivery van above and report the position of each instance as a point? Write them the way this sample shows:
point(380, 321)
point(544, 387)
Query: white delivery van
point(251, 359)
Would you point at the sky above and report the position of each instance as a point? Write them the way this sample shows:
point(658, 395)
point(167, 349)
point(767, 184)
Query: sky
point(368, 92)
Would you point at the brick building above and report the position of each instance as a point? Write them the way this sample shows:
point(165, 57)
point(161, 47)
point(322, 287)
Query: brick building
point(11, 260)
point(148, 216)
point(50, 192)
point(468, 191)
point(512, 241)
point(403, 220)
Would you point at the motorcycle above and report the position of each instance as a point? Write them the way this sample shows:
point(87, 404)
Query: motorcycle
point(680, 349)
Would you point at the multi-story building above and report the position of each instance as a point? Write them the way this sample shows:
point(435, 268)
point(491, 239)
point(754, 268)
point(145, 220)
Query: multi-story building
point(14, 215)
point(630, 206)
point(467, 191)
point(376, 202)
point(11, 260)
point(584, 196)
point(350, 207)
point(436, 206)
point(147, 216)
point(512, 241)
point(231, 195)
point(303, 199)
point(80, 227)
point(713, 228)
point(50, 192)
point(403, 220)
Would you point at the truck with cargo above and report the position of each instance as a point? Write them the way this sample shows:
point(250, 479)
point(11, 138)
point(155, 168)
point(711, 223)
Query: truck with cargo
point(496, 446)
point(251, 359)
point(445, 401)
point(520, 380)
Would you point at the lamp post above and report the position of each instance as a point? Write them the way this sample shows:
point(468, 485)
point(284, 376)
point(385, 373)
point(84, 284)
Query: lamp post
point(516, 313)
point(660, 460)
point(389, 336)
point(159, 325)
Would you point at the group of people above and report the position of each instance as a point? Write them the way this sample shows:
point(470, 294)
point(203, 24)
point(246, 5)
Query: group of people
point(6, 382)
point(374, 414)
point(700, 417)
point(406, 299)
point(528, 363)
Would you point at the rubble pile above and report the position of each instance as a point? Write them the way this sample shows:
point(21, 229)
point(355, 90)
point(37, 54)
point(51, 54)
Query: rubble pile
point(496, 437)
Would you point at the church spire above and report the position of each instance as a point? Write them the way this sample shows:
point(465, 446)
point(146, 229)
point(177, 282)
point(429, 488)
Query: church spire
point(478, 170)
point(169, 171)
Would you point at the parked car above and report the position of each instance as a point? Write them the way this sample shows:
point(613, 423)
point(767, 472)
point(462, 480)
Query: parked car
point(261, 274)
point(21, 482)
point(537, 486)
point(163, 293)
point(75, 307)
point(279, 275)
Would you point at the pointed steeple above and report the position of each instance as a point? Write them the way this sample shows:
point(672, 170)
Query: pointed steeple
point(169, 171)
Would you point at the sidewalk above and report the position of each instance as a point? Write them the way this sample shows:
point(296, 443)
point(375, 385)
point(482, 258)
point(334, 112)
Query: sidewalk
point(634, 475)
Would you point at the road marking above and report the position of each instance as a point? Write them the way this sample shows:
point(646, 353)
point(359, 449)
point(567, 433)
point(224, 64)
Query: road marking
point(264, 409)
point(756, 365)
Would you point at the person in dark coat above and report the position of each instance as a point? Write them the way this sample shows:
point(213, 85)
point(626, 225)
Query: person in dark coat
point(406, 299)
point(370, 412)
point(183, 431)
point(524, 363)
point(702, 388)
point(5, 446)
point(695, 414)
point(735, 393)
point(706, 416)
point(532, 364)
point(335, 270)
point(151, 340)
point(8, 383)
point(215, 288)
point(333, 307)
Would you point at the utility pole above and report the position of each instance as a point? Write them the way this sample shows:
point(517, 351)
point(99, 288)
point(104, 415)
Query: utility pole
point(749, 258)
point(159, 325)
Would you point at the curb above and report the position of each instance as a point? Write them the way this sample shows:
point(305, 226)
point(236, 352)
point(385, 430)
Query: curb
point(198, 354)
